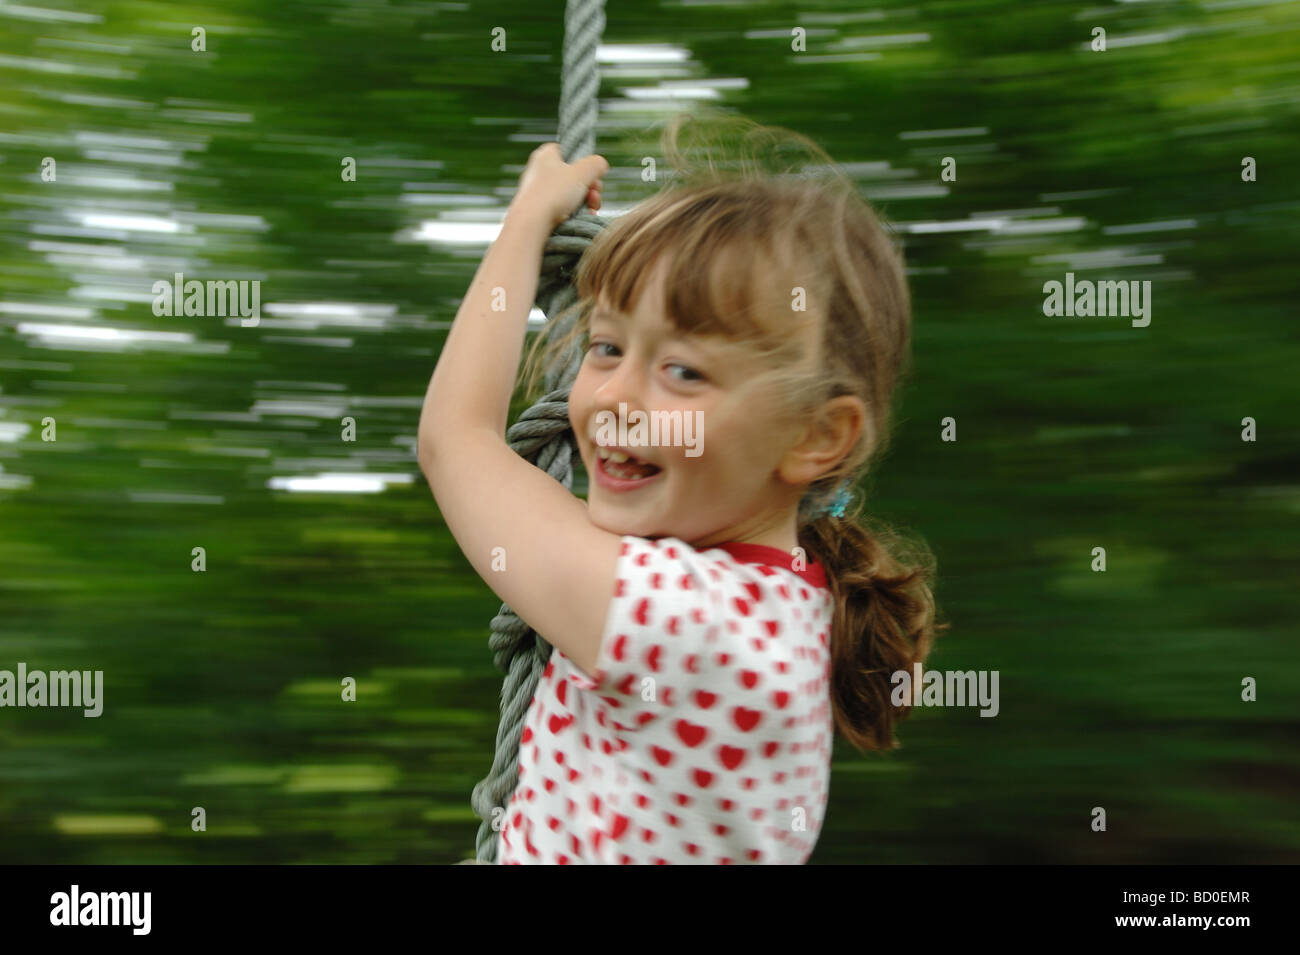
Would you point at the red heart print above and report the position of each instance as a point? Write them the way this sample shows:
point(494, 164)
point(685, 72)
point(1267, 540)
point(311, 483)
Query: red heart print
point(559, 723)
point(618, 826)
point(689, 733)
point(731, 756)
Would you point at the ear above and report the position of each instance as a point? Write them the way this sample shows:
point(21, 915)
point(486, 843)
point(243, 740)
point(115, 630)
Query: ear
point(826, 441)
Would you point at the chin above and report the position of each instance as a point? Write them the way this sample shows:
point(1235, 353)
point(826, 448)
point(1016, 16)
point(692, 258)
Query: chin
point(617, 524)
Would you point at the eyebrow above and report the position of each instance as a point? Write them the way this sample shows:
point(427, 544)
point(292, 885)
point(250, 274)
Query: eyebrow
point(599, 312)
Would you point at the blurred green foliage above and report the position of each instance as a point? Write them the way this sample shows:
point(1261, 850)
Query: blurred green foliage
point(1120, 690)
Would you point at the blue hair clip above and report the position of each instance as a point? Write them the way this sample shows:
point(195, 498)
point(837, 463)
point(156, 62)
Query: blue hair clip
point(842, 499)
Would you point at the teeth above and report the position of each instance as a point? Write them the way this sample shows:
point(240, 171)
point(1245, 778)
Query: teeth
point(618, 457)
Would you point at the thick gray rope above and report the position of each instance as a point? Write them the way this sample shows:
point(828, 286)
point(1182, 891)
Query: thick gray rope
point(542, 434)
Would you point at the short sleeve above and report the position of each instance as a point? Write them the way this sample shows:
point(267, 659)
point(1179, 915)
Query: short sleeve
point(660, 619)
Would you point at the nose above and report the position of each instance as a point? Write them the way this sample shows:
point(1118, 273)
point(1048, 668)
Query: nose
point(624, 385)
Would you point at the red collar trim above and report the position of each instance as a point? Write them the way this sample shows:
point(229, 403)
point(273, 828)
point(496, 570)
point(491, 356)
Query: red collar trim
point(745, 553)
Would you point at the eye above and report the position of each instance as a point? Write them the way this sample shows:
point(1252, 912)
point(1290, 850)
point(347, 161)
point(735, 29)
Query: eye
point(594, 346)
point(691, 373)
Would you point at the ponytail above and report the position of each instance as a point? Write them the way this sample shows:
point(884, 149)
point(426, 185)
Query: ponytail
point(883, 622)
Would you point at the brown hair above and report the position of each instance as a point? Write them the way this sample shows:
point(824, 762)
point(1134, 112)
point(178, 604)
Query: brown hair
point(741, 237)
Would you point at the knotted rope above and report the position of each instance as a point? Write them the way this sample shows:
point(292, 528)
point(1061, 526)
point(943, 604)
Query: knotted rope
point(542, 435)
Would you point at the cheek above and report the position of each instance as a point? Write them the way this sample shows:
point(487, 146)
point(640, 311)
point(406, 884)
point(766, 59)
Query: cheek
point(732, 450)
point(579, 398)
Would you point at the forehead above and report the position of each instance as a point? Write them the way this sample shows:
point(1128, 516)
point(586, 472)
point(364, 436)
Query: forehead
point(646, 314)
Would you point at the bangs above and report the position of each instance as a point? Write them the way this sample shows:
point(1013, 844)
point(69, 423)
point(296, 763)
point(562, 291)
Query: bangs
point(724, 277)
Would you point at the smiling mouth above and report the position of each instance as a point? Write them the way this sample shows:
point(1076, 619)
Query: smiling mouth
point(621, 465)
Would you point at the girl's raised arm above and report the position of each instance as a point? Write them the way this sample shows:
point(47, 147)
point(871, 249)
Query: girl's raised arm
point(527, 536)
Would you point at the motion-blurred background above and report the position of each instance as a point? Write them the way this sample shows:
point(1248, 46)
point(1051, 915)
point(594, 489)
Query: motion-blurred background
point(327, 558)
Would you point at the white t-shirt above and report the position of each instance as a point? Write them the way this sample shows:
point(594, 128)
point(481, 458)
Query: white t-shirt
point(704, 736)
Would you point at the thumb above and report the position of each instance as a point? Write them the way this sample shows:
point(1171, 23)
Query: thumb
point(593, 166)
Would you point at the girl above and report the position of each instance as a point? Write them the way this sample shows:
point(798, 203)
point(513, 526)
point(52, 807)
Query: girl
point(715, 612)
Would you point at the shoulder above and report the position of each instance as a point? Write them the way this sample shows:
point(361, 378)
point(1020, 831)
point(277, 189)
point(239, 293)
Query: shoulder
point(748, 572)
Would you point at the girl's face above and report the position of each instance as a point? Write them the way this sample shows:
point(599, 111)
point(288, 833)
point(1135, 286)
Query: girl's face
point(716, 479)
